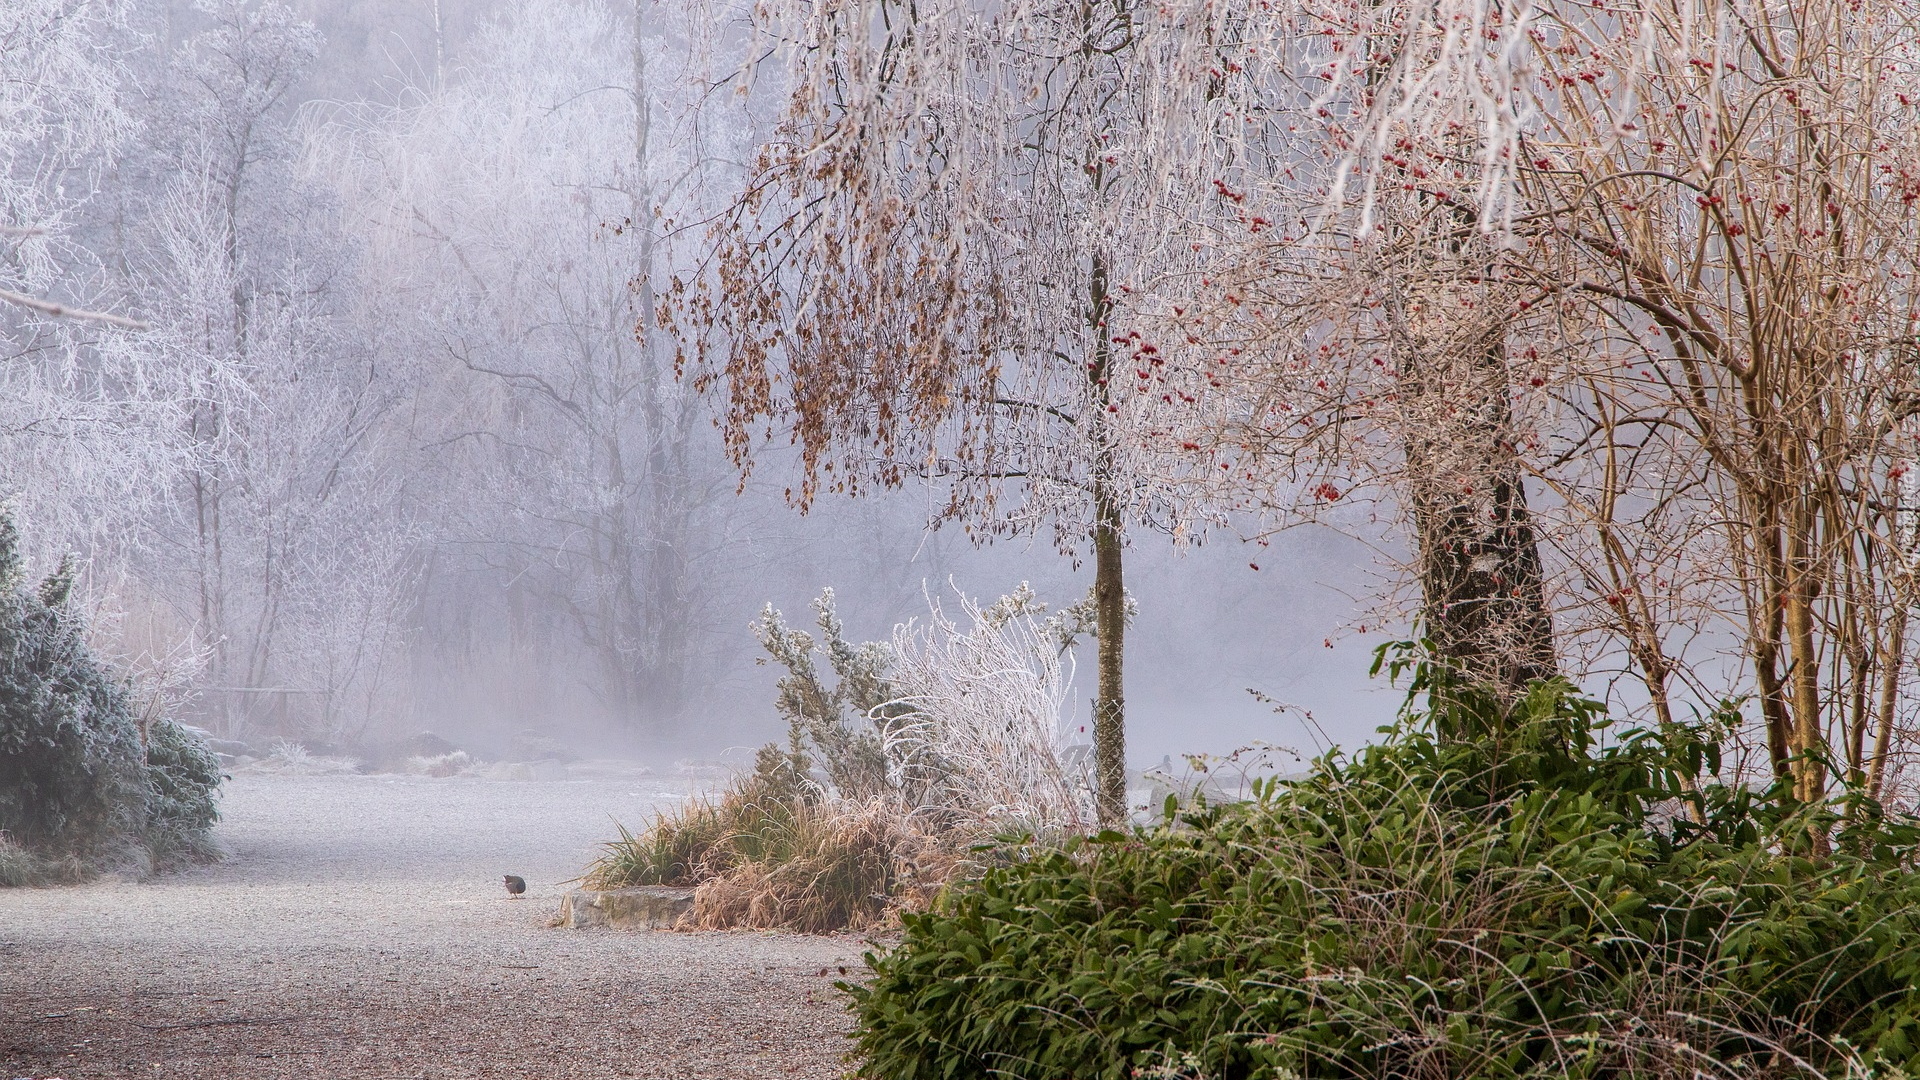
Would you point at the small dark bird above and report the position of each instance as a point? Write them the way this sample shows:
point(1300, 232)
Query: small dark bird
point(516, 886)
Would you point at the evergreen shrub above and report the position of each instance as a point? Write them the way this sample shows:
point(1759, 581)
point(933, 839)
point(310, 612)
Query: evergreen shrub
point(81, 786)
point(1482, 895)
point(183, 782)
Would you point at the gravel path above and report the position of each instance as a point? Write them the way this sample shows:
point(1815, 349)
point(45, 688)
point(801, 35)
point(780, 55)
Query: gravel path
point(358, 930)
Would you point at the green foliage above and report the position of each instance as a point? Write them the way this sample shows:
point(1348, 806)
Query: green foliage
point(78, 785)
point(1514, 899)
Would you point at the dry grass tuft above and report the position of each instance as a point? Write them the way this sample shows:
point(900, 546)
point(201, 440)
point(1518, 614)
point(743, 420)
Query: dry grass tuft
point(849, 866)
point(22, 866)
point(768, 855)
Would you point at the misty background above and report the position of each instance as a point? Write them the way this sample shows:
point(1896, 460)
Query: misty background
point(388, 456)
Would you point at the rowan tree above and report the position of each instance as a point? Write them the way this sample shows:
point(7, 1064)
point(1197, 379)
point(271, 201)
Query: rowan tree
point(1693, 223)
point(1721, 199)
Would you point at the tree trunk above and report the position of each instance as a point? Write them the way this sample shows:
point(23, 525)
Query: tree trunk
point(1110, 619)
point(1890, 660)
point(1809, 740)
point(1483, 599)
point(1109, 584)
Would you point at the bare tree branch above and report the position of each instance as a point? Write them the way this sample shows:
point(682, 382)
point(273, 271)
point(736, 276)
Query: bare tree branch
point(62, 311)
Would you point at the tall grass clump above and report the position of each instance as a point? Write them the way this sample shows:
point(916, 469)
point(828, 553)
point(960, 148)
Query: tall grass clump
point(894, 768)
point(772, 851)
point(84, 783)
point(1489, 893)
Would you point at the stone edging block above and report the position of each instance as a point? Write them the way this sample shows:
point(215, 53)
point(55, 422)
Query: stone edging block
point(645, 907)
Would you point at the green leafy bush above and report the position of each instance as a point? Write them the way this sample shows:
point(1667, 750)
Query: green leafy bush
point(80, 784)
point(1509, 900)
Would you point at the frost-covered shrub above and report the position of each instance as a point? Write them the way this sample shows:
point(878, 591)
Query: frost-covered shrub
point(976, 726)
point(77, 779)
point(21, 866)
point(963, 724)
point(182, 778)
point(457, 763)
point(892, 772)
point(72, 770)
point(846, 724)
point(288, 756)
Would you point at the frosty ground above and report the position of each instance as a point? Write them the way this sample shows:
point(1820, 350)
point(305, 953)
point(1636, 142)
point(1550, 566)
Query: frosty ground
point(358, 929)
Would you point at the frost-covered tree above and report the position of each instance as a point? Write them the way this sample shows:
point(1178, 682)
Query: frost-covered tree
point(1724, 213)
point(85, 429)
point(513, 211)
point(1693, 227)
point(287, 549)
point(61, 110)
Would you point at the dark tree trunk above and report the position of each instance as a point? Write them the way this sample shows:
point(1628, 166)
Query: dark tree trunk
point(1483, 600)
point(1109, 583)
point(1110, 617)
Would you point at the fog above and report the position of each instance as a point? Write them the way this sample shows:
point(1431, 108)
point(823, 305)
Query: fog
point(385, 453)
point(1209, 628)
